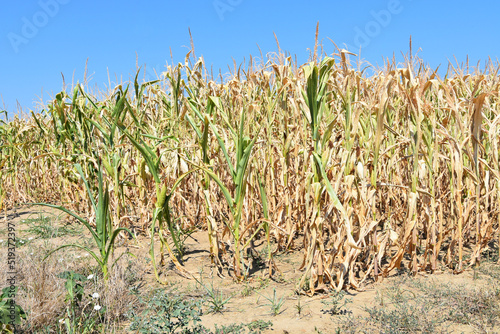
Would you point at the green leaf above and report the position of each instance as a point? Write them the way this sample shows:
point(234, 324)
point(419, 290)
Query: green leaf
point(6, 317)
point(225, 191)
point(112, 241)
point(148, 155)
point(263, 198)
point(335, 199)
point(91, 196)
point(223, 148)
point(103, 222)
point(70, 274)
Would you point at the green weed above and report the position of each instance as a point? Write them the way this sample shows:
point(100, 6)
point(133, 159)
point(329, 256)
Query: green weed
point(167, 313)
point(275, 303)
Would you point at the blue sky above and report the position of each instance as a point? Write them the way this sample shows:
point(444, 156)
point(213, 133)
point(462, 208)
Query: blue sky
point(40, 39)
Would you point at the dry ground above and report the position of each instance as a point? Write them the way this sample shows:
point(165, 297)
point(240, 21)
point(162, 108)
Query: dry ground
point(441, 302)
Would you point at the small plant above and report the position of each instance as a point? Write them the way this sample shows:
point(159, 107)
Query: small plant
point(247, 290)
point(78, 318)
point(104, 235)
point(254, 327)
point(299, 307)
point(353, 325)
point(259, 325)
point(10, 313)
point(230, 329)
point(475, 276)
point(181, 236)
point(74, 286)
point(20, 242)
point(275, 303)
point(168, 313)
point(263, 283)
point(336, 303)
point(215, 298)
point(320, 332)
point(380, 298)
point(44, 228)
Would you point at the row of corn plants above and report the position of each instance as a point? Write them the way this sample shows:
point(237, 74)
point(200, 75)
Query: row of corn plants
point(363, 174)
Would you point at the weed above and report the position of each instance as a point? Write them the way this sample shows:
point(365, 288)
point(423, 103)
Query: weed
point(80, 317)
point(263, 283)
point(254, 327)
point(168, 313)
point(20, 242)
point(478, 307)
point(318, 331)
point(299, 307)
point(336, 303)
point(247, 290)
point(405, 318)
point(489, 270)
point(45, 228)
point(230, 329)
point(413, 306)
point(215, 298)
point(275, 303)
point(259, 325)
point(409, 312)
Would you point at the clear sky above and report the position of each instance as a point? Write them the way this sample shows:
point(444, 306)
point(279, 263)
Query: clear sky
point(40, 39)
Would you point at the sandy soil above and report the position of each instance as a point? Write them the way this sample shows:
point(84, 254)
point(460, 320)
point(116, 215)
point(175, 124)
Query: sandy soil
point(248, 302)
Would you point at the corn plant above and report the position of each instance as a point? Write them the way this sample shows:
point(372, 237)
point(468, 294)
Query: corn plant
point(202, 135)
point(315, 103)
point(104, 235)
point(162, 212)
point(243, 146)
point(113, 152)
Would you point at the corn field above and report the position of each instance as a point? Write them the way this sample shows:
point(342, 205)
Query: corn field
point(361, 174)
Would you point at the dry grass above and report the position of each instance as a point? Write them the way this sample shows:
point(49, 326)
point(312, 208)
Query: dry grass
point(42, 293)
point(415, 305)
